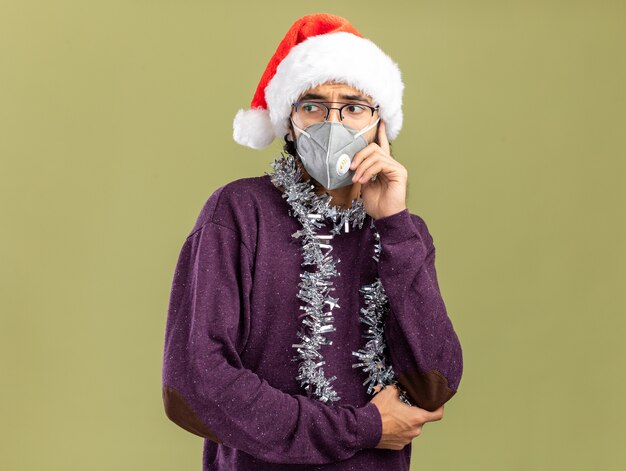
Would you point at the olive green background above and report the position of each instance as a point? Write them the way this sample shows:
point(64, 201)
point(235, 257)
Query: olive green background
point(116, 126)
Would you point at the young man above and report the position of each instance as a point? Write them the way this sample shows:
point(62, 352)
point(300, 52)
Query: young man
point(300, 294)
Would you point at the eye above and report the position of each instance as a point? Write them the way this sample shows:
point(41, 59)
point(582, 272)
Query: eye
point(355, 109)
point(310, 108)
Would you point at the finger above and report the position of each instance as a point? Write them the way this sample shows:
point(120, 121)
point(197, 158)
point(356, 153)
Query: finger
point(433, 416)
point(365, 166)
point(372, 170)
point(382, 138)
point(374, 165)
point(363, 154)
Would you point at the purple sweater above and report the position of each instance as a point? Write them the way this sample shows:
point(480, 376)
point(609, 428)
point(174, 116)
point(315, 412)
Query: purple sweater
point(228, 374)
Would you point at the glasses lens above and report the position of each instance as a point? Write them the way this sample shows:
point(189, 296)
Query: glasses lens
point(356, 116)
point(310, 113)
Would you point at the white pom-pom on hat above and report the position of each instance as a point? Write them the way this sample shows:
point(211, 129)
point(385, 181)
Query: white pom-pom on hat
point(253, 128)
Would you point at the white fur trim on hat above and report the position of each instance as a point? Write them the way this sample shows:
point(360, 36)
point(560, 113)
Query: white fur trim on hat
point(253, 128)
point(339, 57)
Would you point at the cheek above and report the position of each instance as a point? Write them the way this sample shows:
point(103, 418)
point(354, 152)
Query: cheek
point(373, 136)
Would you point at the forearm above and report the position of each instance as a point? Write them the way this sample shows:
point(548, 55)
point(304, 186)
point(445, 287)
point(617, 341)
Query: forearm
point(232, 405)
point(424, 348)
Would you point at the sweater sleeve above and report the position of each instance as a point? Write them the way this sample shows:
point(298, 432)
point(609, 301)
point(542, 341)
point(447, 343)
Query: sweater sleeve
point(424, 349)
point(207, 391)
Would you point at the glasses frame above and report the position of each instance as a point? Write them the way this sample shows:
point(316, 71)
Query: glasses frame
point(328, 108)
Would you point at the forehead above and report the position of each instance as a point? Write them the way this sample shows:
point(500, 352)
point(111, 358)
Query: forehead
point(336, 88)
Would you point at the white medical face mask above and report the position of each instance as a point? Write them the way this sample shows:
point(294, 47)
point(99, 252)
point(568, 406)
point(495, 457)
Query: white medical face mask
point(326, 150)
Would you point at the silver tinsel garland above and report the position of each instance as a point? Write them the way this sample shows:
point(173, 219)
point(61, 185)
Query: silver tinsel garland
point(312, 211)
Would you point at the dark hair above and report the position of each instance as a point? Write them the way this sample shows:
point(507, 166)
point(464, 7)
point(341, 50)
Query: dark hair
point(289, 147)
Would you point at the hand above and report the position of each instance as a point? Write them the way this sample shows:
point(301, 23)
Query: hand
point(401, 422)
point(387, 194)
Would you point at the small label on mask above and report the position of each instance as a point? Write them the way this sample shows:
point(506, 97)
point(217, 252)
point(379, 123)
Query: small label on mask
point(343, 164)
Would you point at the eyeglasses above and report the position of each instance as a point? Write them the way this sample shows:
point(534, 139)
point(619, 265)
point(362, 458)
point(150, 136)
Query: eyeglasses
point(353, 114)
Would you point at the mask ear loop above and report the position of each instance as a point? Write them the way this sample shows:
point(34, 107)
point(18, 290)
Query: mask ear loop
point(295, 140)
point(367, 128)
point(301, 130)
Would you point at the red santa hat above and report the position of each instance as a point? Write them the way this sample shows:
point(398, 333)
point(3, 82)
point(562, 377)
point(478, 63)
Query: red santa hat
point(319, 48)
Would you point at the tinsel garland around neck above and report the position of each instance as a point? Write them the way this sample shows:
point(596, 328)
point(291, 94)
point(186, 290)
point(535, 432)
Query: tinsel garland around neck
point(313, 211)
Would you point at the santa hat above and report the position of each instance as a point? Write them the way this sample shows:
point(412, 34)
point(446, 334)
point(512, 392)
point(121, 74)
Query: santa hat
point(319, 48)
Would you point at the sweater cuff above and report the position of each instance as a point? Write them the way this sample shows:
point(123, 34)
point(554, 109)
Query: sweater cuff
point(396, 227)
point(369, 426)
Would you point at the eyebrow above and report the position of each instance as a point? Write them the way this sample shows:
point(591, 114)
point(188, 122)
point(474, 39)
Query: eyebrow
point(317, 96)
